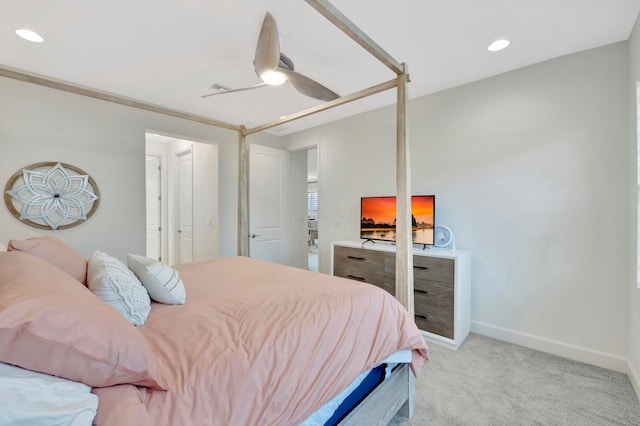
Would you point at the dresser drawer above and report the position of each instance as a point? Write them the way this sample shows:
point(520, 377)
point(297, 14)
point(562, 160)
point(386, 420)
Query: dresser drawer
point(433, 269)
point(434, 288)
point(358, 258)
point(360, 265)
point(434, 307)
point(433, 323)
point(433, 298)
point(359, 274)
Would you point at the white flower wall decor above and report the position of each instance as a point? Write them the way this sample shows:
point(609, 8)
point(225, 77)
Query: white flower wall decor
point(52, 195)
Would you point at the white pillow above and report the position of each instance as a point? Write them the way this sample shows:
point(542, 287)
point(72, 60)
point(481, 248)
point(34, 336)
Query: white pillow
point(113, 283)
point(161, 281)
point(3, 247)
point(30, 398)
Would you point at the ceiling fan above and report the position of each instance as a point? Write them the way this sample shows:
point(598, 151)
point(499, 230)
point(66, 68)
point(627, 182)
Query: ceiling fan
point(274, 67)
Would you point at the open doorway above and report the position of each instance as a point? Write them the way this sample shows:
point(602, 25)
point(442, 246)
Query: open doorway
point(312, 207)
point(304, 236)
point(181, 199)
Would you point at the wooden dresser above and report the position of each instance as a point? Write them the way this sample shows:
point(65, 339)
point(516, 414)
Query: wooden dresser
point(442, 284)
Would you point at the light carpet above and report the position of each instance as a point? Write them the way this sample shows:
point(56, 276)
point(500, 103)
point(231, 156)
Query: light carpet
point(488, 382)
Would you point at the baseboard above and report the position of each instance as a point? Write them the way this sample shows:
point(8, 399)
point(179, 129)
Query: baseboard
point(634, 378)
point(577, 353)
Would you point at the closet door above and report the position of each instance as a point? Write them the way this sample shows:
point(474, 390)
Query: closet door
point(268, 204)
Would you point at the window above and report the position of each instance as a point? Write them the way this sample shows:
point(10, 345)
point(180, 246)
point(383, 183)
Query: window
point(312, 204)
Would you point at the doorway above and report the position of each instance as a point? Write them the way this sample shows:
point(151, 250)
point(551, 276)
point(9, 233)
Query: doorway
point(312, 208)
point(181, 199)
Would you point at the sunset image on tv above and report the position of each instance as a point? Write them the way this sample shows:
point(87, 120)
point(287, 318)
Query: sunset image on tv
point(378, 218)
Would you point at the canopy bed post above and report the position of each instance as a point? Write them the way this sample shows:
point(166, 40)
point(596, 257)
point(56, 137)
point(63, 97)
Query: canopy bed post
point(243, 193)
point(404, 252)
point(404, 247)
point(338, 19)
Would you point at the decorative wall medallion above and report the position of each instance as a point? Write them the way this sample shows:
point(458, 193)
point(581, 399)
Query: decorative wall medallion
point(52, 195)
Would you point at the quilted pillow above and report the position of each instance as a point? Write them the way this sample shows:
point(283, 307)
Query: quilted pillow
point(56, 252)
point(28, 397)
point(50, 324)
point(161, 281)
point(118, 287)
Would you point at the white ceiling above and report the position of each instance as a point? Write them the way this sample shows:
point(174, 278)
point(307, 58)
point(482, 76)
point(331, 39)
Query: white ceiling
point(169, 52)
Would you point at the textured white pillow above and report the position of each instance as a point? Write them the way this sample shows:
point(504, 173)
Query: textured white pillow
point(3, 247)
point(161, 281)
point(113, 283)
point(30, 398)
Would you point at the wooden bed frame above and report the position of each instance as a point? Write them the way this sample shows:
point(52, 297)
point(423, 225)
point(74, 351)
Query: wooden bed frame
point(398, 390)
point(395, 393)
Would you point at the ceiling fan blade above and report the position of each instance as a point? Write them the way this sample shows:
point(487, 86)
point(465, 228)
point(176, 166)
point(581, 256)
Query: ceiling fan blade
point(268, 49)
point(242, 89)
point(308, 87)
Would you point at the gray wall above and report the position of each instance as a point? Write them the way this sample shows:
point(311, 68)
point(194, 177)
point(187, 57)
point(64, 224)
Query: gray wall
point(108, 142)
point(634, 291)
point(298, 219)
point(530, 169)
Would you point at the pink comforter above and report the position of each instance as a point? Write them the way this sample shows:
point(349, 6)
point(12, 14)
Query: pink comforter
point(260, 344)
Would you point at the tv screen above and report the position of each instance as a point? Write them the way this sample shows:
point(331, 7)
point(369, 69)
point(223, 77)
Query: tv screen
point(378, 218)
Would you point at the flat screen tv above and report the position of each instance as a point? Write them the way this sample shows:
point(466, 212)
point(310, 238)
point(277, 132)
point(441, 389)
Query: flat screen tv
point(378, 218)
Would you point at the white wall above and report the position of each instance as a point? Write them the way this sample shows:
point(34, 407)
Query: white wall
point(107, 141)
point(205, 202)
point(530, 169)
point(298, 223)
point(634, 291)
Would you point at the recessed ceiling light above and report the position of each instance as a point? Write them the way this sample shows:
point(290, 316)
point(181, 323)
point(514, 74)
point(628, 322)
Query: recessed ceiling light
point(29, 35)
point(498, 45)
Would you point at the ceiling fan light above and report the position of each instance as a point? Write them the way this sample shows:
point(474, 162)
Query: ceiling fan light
point(273, 78)
point(29, 35)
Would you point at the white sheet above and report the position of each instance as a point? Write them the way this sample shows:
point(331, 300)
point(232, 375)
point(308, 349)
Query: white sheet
point(29, 398)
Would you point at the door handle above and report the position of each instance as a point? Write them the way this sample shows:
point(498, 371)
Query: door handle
point(254, 235)
point(179, 231)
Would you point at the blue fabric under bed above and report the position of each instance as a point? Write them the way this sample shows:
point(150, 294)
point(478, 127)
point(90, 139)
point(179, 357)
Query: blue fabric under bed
point(373, 379)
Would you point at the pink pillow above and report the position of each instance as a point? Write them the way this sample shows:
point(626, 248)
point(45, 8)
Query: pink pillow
point(50, 324)
point(54, 251)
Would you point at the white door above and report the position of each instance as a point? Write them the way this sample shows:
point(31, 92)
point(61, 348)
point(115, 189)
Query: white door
point(184, 252)
point(268, 204)
point(154, 217)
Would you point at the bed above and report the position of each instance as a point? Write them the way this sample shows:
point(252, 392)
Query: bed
point(288, 341)
point(256, 343)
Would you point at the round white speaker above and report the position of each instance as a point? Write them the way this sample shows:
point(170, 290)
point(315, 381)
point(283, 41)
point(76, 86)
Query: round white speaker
point(443, 237)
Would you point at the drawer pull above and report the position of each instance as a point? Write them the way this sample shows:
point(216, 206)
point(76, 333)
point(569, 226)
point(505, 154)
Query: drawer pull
point(421, 267)
point(424, 317)
point(353, 277)
point(355, 257)
point(420, 291)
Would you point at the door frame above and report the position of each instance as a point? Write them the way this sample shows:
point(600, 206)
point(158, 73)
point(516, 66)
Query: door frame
point(161, 200)
point(174, 203)
point(164, 194)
